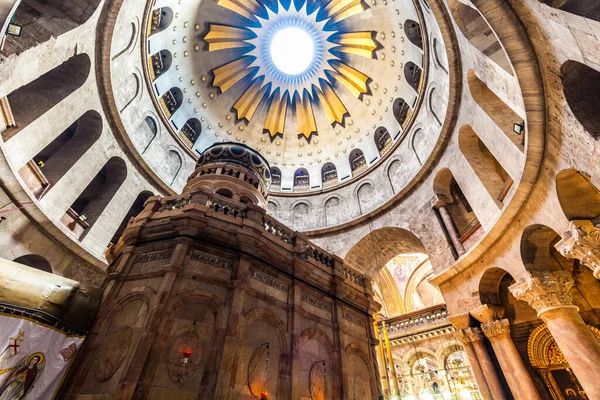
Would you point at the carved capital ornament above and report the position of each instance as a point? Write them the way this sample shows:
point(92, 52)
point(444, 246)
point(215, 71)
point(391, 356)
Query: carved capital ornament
point(496, 328)
point(582, 241)
point(545, 290)
point(470, 335)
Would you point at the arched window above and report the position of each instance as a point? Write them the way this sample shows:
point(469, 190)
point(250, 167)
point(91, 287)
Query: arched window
point(478, 33)
point(42, 21)
point(358, 164)
point(190, 132)
point(504, 116)
point(31, 101)
point(225, 193)
point(161, 62)
point(413, 33)
point(54, 160)
point(582, 91)
point(383, 140)
point(171, 100)
point(329, 175)
point(487, 168)
point(584, 8)
point(275, 177)
point(136, 208)
point(90, 204)
point(301, 179)
point(401, 111)
point(412, 74)
point(160, 20)
point(34, 261)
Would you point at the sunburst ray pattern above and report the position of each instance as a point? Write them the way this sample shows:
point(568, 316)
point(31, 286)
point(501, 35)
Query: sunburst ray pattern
point(334, 46)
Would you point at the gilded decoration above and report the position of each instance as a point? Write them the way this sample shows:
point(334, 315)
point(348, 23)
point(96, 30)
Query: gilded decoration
point(544, 290)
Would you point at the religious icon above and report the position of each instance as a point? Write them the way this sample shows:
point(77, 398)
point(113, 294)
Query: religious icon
point(19, 379)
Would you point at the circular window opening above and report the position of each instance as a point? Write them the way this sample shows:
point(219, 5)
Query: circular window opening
point(292, 50)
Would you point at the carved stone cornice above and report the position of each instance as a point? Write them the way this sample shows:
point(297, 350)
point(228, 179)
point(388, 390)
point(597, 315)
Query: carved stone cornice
point(439, 200)
point(582, 241)
point(544, 290)
point(470, 335)
point(496, 328)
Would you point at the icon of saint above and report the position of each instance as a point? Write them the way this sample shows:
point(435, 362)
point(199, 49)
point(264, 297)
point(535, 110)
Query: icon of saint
point(18, 380)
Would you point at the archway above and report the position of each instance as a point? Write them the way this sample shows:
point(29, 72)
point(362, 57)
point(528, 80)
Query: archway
point(578, 196)
point(582, 90)
point(34, 261)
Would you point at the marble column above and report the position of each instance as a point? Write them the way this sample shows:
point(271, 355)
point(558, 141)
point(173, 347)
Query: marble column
point(440, 203)
point(487, 378)
point(549, 294)
point(582, 241)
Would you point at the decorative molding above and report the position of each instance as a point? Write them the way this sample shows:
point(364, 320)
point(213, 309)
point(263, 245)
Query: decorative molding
point(582, 241)
point(153, 256)
point(470, 335)
point(268, 280)
point(211, 260)
point(313, 300)
point(496, 328)
point(543, 351)
point(82, 272)
point(355, 319)
point(544, 290)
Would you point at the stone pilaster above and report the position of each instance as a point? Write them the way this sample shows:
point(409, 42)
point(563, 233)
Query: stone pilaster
point(582, 241)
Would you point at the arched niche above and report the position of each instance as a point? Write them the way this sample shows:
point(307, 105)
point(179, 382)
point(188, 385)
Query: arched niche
point(367, 201)
point(584, 8)
point(582, 90)
point(90, 204)
point(300, 216)
point(136, 208)
point(412, 29)
point(160, 62)
point(44, 20)
point(459, 209)
point(190, 131)
point(357, 160)
point(479, 33)
point(578, 197)
point(413, 74)
point(31, 101)
point(149, 129)
point(502, 115)
point(271, 208)
point(171, 101)
point(34, 261)
point(275, 177)
point(490, 172)
point(173, 165)
point(329, 175)
point(359, 369)
point(318, 367)
point(53, 161)
point(383, 140)
point(301, 179)
point(334, 214)
point(160, 19)
point(392, 170)
point(438, 52)
point(401, 111)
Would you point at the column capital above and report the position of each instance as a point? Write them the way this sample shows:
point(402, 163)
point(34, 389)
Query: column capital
point(582, 241)
point(496, 328)
point(544, 290)
point(469, 335)
point(439, 200)
point(487, 313)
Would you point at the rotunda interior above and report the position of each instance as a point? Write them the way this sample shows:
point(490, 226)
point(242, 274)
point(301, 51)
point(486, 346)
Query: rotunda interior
point(300, 199)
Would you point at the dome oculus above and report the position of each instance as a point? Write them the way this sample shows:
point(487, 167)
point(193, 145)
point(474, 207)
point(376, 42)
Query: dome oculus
point(292, 50)
point(292, 57)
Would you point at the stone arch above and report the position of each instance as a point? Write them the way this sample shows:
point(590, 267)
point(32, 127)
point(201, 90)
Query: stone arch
point(581, 85)
point(300, 215)
point(329, 175)
point(301, 179)
point(430, 105)
point(42, 21)
point(136, 208)
point(46, 91)
point(34, 261)
point(134, 89)
point(578, 196)
point(94, 199)
point(478, 33)
point(324, 344)
point(60, 155)
point(357, 358)
point(583, 8)
point(333, 216)
point(437, 54)
point(401, 111)
point(417, 353)
point(161, 62)
point(498, 111)
point(418, 285)
point(447, 349)
point(538, 252)
point(412, 29)
point(358, 163)
point(367, 201)
point(413, 74)
point(383, 140)
point(173, 164)
point(160, 19)
point(149, 127)
point(488, 169)
point(172, 100)
point(378, 247)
